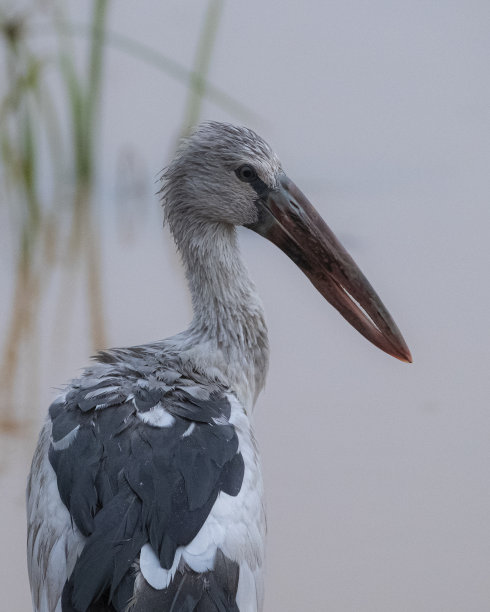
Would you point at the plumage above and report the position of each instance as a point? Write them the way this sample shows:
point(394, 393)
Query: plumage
point(145, 491)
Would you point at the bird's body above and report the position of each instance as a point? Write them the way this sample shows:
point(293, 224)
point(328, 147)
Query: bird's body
point(176, 433)
point(145, 491)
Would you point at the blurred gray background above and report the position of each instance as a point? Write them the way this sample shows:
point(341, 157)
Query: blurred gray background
point(377, 473)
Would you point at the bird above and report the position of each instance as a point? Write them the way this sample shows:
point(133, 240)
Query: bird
point(145, 491)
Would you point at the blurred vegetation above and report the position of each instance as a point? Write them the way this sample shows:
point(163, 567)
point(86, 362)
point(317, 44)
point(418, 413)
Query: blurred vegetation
point(52, 220)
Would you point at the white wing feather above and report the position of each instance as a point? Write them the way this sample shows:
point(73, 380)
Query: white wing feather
point(53, 542)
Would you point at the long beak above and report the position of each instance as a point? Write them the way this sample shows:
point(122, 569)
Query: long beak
point(289, 220)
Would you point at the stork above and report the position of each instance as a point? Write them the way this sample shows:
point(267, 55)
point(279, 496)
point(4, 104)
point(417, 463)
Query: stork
point(145, 492)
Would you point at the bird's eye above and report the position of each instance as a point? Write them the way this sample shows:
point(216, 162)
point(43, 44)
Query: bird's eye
point(246, 173)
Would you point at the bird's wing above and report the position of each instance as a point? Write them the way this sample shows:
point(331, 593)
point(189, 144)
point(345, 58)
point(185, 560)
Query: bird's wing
point(139, 465)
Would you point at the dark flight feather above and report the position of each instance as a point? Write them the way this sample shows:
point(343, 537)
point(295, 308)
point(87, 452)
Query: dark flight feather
point(127, 482)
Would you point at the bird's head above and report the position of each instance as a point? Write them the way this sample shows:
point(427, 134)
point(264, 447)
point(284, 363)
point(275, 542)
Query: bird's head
point(213, 175)
point(223, 174)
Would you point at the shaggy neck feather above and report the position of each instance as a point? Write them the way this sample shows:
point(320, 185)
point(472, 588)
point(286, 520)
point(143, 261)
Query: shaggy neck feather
point(228, 318)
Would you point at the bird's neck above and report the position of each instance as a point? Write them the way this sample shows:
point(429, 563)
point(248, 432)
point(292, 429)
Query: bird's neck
point(228, 331)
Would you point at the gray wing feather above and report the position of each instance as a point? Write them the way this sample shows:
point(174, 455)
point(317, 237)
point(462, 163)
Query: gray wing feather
point(53, 542)
point(129, 454)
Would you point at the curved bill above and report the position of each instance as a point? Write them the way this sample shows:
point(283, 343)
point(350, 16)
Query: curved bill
point(289, 220)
